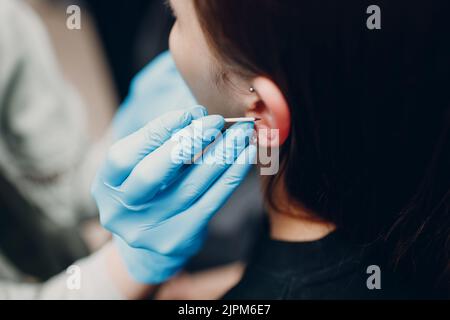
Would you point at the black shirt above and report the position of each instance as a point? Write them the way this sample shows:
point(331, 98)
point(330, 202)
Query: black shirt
point(330, 268)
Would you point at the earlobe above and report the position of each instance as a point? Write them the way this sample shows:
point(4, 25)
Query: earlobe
point(272, 108)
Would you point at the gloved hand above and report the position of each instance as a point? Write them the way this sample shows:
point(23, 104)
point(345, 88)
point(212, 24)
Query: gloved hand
point(154, 91)
point(155, 202)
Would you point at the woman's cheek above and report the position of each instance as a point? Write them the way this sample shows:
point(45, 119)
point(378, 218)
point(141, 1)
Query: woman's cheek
point(180, 56)
point(172, 41)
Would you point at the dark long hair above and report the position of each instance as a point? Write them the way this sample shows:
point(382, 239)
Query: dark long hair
point(370, 141)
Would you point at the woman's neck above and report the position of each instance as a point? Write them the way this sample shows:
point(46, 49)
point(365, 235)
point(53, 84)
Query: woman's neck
point(295, 223)
point(294, 227)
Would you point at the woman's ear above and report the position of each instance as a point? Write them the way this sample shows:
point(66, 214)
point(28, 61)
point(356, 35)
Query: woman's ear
point(271, 107)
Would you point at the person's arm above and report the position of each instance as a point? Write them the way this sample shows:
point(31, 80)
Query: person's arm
point(122, 280)
point(210, 284)
point(101, 276)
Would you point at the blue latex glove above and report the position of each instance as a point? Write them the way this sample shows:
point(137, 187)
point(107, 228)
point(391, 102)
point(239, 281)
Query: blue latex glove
point(155, 202)
point(154, 91)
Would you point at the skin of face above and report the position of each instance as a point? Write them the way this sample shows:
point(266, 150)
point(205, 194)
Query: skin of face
point(199, 67)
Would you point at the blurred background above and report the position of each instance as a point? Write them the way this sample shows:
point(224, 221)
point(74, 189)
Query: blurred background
point(116, 40)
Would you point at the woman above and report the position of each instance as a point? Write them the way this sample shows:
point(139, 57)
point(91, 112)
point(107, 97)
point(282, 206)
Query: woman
point(363, 120)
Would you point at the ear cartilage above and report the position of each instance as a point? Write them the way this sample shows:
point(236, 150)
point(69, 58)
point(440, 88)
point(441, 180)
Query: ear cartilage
point(236, 120)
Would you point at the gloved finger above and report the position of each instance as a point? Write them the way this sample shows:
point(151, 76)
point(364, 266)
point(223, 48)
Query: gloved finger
point(163, 165)
point(220, 192)
point(128, 152)
point(201, 212)
point(199, 177)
